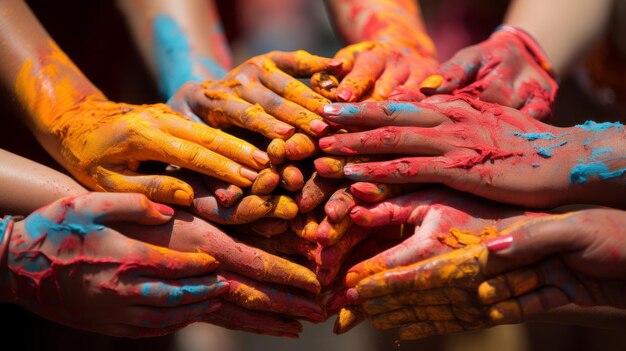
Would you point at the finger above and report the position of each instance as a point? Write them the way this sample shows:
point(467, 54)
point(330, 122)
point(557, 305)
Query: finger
point(422, 330)
point(348, 318)
point(159, 318)
point(461, 298)
point(217, 141)
point(266, 182)
point(111, 207)
point(509, 285)
point(326, 276)
point(157, 188)
point(231, 316)
point(253, 295)
point(276, 152)
point(394, 75)
point(325, 85)
point(404, 209)
point(283, 244)
point(376, 192)
point(539, 105)
point(332, 166)
point(245, 115)
point(291, 178)
point(384, 113)
point(453, 74)
point(268, 227)
point(409, 314)
point(283, 207)
point(302, 64)
point(300, 146)
point(519, 309)
point(282, 108)
point(133, 332)
point(328, 233)
point(151, 293)
point(305, 226)
point(159, 262)
point(368, 66)
point(335, 254)
point(410, 170)
point(315, 191)
point(225, 193)
point(339, 204)
point(249, 209)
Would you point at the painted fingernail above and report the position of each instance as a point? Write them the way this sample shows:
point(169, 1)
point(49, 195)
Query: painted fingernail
point(499, 243)
point(345, 94)
point(284, 130)
point(335, 63)
point(347, 170)
point(164, 209)
point(182, 197)
point(352, 296)
point(318, 126)
point(248, 173)
point(326, 142)
point(261, 157)
point(432, 82)
point(332, 110)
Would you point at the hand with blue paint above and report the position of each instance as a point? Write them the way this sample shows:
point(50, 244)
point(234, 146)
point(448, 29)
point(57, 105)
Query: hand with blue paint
point(65, 263)
point(486, 149)
point(509, 68)
point(532, 268)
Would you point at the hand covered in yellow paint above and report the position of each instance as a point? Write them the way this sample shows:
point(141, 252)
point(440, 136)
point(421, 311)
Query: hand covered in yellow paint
point(102, 144)
point(535, 266)
point(380, 70)
point(263, 95)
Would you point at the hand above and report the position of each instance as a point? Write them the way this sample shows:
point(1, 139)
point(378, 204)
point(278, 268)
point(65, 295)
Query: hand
point(64, 264)
point(486, 149)
point(102, 144)
point(379, 70)
point(503, 70)
point(262, 95)
point(534, 267)
point(267, 293)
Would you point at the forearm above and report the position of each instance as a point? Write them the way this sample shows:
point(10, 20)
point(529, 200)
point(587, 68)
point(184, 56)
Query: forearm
point(41, 78)
point(26, 186)
point(381, 20)
point(180, 40)
point(579, 24)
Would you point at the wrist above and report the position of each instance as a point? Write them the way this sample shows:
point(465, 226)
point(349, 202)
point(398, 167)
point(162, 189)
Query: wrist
point(531, 45)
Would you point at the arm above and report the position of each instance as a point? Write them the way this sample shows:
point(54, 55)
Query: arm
point(382, 33)
point(181, 41)
point(26, 185)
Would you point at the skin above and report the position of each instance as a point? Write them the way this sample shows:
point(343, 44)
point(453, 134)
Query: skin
point(538, 270)
point(101, 143)
point(65, 263)
point(389, 52)
point(489, 150)
point(316, 190)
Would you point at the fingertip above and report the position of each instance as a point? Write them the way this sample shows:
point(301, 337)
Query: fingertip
point(164, 209)
point(431, 83)
point(182, 197)
point(344, 93)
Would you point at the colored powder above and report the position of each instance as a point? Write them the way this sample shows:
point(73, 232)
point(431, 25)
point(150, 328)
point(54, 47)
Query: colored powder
point(595, 153)
point(38, 225)
point(546, 151)
point(581, 173)
point(598, 127)
point(3, 227)
point(535, 136)
point(349, 110)
point(393, 107)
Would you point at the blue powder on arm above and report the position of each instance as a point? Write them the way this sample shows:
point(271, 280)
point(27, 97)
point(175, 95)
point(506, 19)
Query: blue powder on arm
point(598, 127)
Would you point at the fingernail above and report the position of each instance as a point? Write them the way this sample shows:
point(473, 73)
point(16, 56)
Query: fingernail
point(318, 126)
point(351, 278)
point(432, 82)
point(248, 173)
point(261, 157)
point(326, 142)
point(164, 209)
point(499, 243)
point(284, 130)
point(335, 63)
point(347, 170)
point(332, 110)
point(352, 296)
point(182, 197)
point(345, 94)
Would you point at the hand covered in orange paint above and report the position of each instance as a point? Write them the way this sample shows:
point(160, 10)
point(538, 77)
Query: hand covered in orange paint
point(263, 95)
point(267, 293)
point(379, 70)
point(502, 69)
point(65, 263)
point(536, 266)
point(486, 149)
point(102, 144)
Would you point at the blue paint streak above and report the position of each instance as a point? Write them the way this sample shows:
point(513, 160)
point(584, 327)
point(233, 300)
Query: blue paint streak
point(595, 153)
point(547, 151)
point(3, 226)
point(394, 107)
point(598, 127)
point(535, 165)
point(349, 110)
point(581, 173)
point(174, 57)
point(536, 136)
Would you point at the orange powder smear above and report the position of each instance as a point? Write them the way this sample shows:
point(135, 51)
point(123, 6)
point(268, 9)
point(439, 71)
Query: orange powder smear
point(457, 238)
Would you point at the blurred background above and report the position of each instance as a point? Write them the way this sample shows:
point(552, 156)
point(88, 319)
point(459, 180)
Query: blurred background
point(95, 36)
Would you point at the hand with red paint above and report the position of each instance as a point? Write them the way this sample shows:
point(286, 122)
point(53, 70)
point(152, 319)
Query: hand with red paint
point(534, 267)
point(66, 264)
point(509, 68)
point(486, 149)
point(268, 294)
point(262, 94)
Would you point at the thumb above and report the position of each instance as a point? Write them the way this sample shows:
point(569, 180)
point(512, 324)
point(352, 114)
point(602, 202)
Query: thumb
point(453, 74)
point(303, 64)
point(118, 207)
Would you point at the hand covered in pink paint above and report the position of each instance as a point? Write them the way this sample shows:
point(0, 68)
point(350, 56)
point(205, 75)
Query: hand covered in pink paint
point(509, 68)
point(267, 293)
point(379, 70)
point(486, 149)
point(63, 263)
point(263, 95)
point(535, 266)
